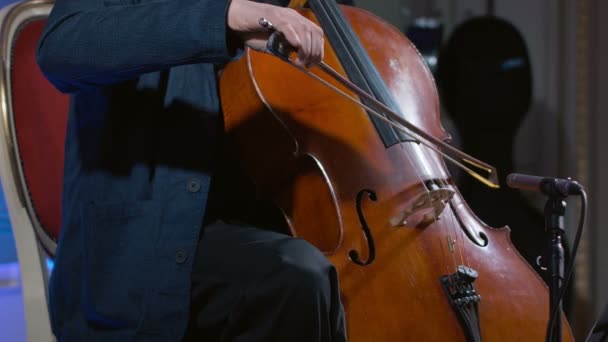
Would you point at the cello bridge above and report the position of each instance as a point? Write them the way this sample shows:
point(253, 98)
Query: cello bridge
point(424, 209)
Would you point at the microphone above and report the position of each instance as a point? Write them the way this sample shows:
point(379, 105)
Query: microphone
point(547, 185)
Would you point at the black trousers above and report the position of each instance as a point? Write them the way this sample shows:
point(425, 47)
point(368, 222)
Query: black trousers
point(251, 285)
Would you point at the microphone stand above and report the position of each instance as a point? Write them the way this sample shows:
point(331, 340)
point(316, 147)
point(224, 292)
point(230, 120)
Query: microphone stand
point(555, 209)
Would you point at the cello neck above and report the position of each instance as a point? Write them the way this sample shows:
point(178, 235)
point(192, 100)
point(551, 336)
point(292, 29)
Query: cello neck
point(356, 62)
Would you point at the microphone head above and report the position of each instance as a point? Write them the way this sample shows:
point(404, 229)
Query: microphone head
point(524, 182)
point(511, 178)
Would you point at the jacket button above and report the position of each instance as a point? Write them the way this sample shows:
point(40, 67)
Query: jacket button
point(193, 185)
point(180, 256)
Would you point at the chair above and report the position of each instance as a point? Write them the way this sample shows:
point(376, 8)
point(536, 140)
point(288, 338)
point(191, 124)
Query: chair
point(32, 133)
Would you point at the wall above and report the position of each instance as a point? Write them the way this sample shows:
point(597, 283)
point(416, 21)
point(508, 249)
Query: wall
point(598, 157)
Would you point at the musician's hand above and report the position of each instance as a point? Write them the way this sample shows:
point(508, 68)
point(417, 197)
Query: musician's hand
point(304, 35)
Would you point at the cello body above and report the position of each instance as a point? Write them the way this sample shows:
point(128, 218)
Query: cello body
point(414, 262)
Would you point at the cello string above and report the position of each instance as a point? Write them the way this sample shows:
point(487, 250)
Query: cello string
point(462, 238)
point(450, 230)
point(454, 225)
point(457, 239)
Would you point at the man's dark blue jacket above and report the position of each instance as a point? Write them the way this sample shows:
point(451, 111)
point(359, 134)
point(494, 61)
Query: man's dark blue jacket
point(143, 119)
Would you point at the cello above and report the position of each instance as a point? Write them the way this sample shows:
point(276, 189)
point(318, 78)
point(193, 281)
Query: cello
point(367, 185)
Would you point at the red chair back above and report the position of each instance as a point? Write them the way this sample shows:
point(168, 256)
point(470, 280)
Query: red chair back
point(38, 116)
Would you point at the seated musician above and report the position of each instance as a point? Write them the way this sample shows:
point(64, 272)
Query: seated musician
point(140, 256)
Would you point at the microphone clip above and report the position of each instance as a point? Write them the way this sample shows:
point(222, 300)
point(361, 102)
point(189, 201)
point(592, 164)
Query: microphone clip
point(556, 187)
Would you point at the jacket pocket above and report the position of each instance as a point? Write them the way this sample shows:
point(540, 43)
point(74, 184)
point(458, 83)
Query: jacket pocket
point(119, 256)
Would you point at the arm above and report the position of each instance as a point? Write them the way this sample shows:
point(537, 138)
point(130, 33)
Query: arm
point(87, 42)
point(100, 42)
